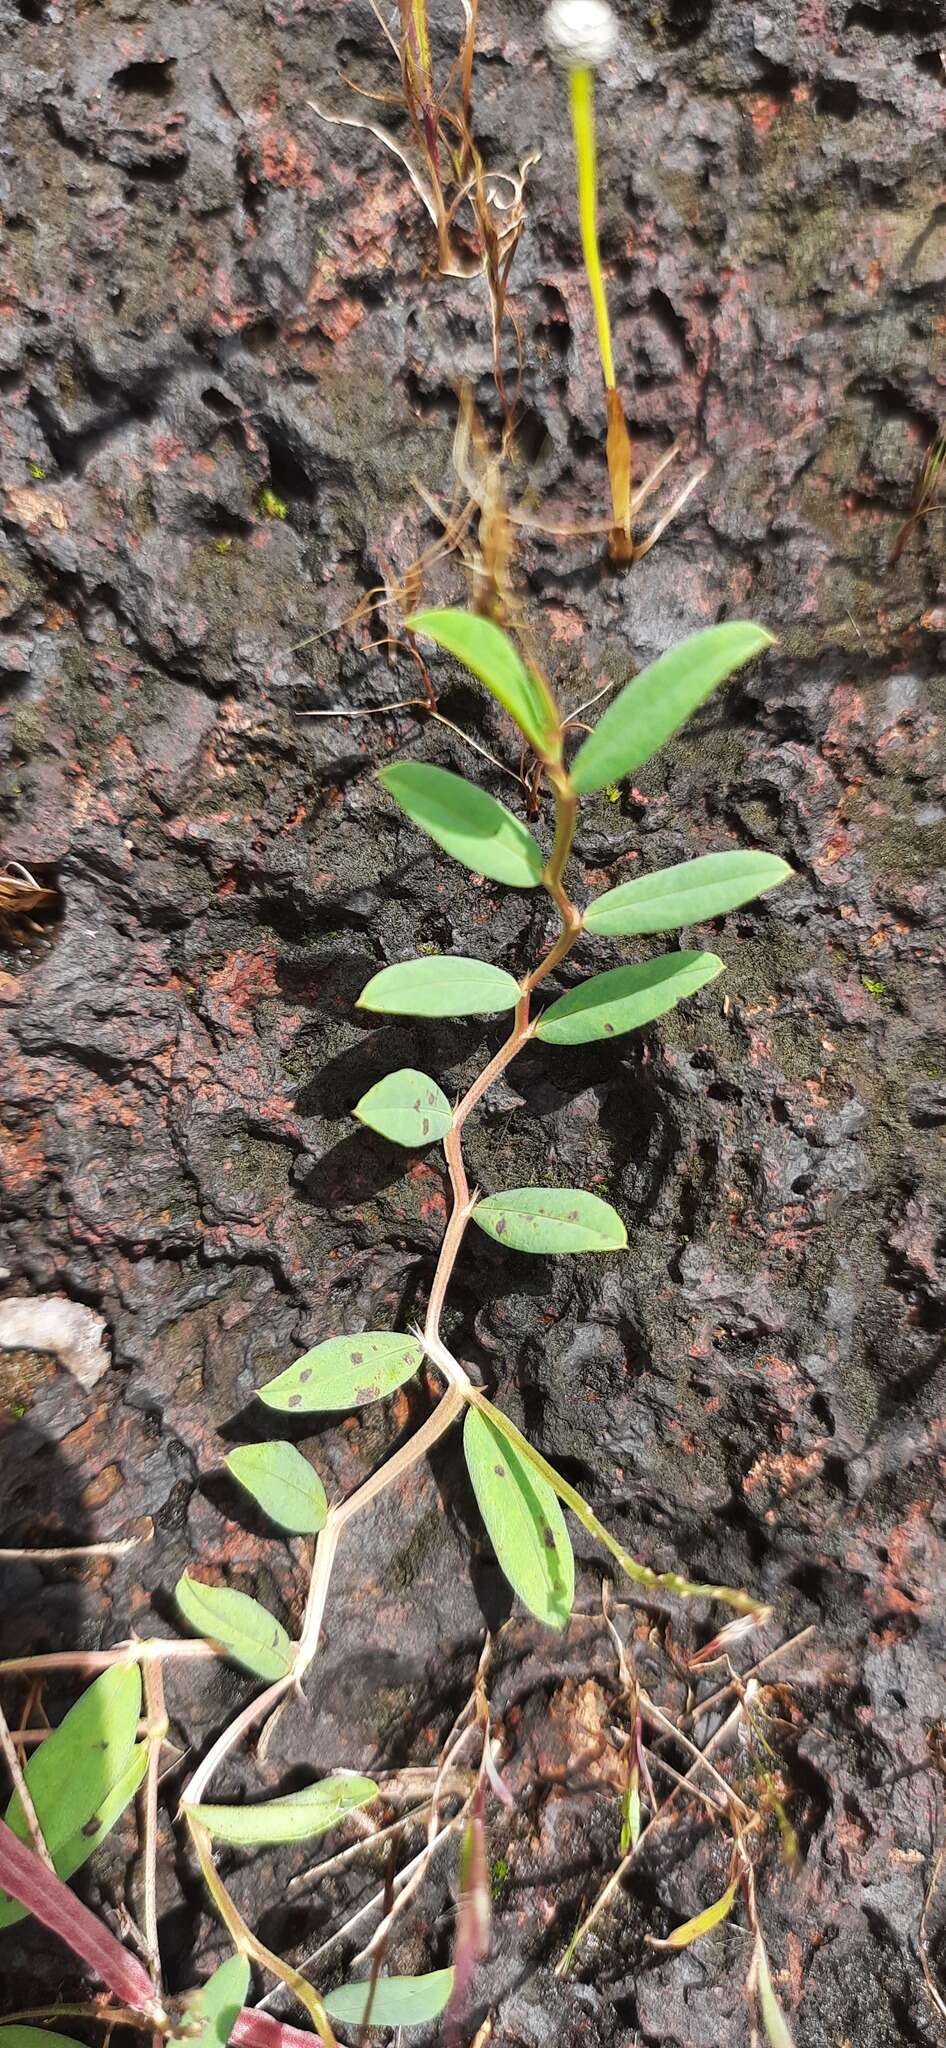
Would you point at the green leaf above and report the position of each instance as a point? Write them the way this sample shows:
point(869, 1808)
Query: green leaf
point(625, 998)
point(551, 1220)
point(442, 985)
point(294, 1819)
point(397, 2001)
point(489, 653)
point(523, 1520)
point(654, 706)
point(35, 2037)
point(687, 894)
point(702, 1923)
point(631, 1812)
point(777, 2030)
point(467, 823)
point(406, 1107)
point(81, 1845)
point(248, 1633)
point(284, 1484)
point(344, 1372)
point(665, 1582)
point(81, 1775)
point(213, 2011)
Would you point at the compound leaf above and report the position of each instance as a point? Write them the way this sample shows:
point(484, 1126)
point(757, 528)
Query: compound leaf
point(490, 655)
point(466, 822)
point(551, 1220)
point(83, 1776)
point(397, 2001)
point(687, 894)
point(524, 1522)
point(212, 2012)
point(626, 997)
point(406, 1107)
point(294, 1819)
point(441, 985)
point(702, 1923)
point(658, 701)
point(249, 1634)
point(344, 1372)
point(282, 1481)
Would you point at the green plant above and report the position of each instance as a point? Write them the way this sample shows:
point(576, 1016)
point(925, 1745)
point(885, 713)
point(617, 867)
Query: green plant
point(89, 1770)
point(519, 1493)
point(82, 1778)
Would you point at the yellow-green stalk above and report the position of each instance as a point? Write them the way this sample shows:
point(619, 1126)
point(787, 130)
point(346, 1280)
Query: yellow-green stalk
point(581, 34)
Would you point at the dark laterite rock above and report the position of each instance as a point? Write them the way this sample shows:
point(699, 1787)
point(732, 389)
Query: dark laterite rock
point(209, 296)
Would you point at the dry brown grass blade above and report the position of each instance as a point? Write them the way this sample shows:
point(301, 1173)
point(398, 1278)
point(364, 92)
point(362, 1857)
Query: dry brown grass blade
point(620, 471)
point(933, 1991)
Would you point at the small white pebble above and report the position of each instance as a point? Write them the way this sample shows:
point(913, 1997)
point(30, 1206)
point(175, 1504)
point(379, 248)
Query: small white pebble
point(580, 34)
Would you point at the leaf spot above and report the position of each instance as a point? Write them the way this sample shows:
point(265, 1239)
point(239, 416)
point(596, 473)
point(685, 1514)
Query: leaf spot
point(295, 1400)
point(500, 1471)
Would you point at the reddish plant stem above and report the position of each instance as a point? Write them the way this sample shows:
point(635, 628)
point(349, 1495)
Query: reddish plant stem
point(566, 809)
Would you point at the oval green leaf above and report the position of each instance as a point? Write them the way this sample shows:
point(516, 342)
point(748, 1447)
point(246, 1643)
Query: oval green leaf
point(213, 2011)
point(35, 2037)
point(406, 1107)
point(442, 985)
point(83, 1776)
point(524, 1522)
point(282, 1481)
point(490, 655)
point(344, 1372)
point(247, 1632)
point(293, 1819)
point(397, 2001)
point(654, 706)
point(70, 1854)
point(702, 1923)
point(626, 997)
point(551, 1220)
point(467, 823)
point(687, 894)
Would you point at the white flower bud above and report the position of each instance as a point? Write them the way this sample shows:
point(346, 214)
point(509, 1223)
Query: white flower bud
point(580, 34)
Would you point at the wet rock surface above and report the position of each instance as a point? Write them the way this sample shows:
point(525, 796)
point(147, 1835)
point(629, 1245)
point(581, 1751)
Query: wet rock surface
point(223, 358)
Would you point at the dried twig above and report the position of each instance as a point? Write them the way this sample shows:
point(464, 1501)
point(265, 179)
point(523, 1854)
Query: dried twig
point(22, 1789)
